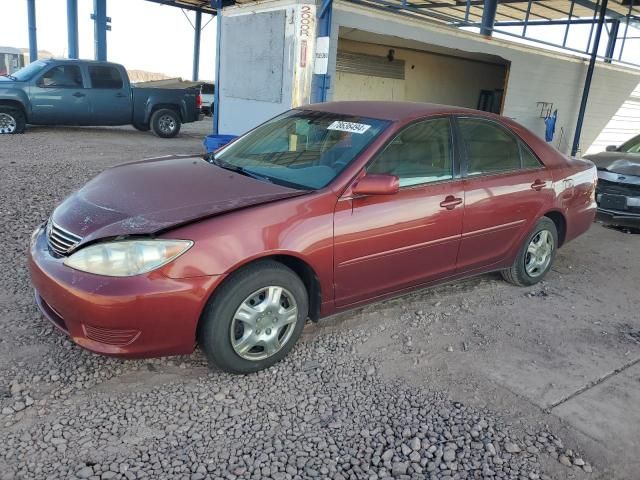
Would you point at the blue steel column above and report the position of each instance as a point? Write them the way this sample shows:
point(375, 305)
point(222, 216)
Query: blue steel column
point(196, 45)
point(587, 81)
point(321, 82)
point(33, 40)
point(72, 28)
point(613, 37)
point(488, 17)
point(217, 4)
point(100, 31)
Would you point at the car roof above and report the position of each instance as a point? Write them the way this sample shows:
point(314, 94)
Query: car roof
point(393, 111)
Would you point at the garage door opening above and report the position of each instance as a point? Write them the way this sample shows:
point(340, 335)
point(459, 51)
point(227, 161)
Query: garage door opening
point(376, 67)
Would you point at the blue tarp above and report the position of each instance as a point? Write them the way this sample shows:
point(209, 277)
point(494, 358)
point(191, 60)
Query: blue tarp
point(550, 123)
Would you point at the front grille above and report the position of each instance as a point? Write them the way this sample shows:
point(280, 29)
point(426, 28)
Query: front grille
point(60, 240)
point(615, 188)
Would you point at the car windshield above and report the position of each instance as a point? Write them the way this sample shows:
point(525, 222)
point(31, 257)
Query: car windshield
point(26, 73)
point(300, 148)
point(632, 146)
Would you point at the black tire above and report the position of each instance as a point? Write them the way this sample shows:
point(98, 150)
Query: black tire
point(165, 123)
point(12, 120)
point(518, 274)
point(143, 127)
point(214, 333)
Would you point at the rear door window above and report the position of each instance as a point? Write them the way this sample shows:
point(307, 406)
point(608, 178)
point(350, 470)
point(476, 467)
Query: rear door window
point(491, 148)
point(529, 160)
point(103, 76)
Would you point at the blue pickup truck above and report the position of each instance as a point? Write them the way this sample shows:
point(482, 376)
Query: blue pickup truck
point(84, 92)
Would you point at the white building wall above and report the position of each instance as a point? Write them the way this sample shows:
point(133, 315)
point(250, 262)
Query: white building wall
point(535, 75)
point(624, 125)
point(267, 60)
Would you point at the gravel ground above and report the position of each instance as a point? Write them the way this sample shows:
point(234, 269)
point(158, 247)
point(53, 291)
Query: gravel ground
point(344, 404)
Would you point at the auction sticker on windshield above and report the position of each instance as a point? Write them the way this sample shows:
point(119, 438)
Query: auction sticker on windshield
point(349, 127)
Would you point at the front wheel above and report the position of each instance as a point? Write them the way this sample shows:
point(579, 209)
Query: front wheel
point(536, 255)
point(165, 123)
point(254, 319)
point(12, 120)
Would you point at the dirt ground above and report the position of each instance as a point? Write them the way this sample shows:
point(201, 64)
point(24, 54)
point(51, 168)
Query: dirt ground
point(561, 357)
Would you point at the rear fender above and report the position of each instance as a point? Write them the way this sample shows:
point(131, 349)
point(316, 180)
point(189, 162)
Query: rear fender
point(151, 107)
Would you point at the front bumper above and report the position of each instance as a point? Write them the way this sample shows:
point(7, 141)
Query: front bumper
point(621, 219)
point(141, 316)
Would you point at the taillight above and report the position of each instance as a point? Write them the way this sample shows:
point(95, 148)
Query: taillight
point(199, 100)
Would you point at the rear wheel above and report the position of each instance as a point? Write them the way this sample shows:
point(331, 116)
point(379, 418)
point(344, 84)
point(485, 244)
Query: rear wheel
point(254, 319)
point(165, 123)
point(12, 120)
point(536, 255)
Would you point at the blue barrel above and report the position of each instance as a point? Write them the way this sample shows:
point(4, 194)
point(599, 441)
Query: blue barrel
point(213, 142)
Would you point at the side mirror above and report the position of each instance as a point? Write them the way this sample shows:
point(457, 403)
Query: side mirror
point(374, 184)
point(611, 148)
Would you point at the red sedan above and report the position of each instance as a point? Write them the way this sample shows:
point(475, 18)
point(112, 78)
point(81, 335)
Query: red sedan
point(321, 209)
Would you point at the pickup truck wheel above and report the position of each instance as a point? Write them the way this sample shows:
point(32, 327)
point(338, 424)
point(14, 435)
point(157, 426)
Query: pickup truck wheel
point(165, 123)
point(143, 127)
point(11, 121)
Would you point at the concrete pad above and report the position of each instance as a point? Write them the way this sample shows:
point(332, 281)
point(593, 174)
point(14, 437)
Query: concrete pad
point(609, 414)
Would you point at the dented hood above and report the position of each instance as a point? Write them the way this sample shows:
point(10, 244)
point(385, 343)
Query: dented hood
point(617, 162)
point(152, 195)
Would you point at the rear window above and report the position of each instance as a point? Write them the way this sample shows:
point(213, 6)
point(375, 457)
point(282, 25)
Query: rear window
point(105, 77)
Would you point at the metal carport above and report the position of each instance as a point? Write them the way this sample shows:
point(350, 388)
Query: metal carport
point(490, 17)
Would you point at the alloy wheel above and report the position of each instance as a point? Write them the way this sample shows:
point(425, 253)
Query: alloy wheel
point(539, 253)
point(167, 124)
point(263, 323)
point(8, 124)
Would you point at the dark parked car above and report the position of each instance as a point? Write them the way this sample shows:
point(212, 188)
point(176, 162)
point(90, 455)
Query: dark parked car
point(82, 92)
point(319, 210)
point(618, 191)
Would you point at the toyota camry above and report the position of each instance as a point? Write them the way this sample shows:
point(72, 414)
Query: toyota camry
point(320, 209)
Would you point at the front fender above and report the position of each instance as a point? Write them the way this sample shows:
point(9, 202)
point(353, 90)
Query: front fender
point(300, 227)
point(17, 97)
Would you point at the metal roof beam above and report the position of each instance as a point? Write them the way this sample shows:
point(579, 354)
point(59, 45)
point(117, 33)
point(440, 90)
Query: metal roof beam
point(534, 23)
point(609, 13)
point(204, 6)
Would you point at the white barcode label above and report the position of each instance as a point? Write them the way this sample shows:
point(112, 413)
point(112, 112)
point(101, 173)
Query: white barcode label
point(349, 127)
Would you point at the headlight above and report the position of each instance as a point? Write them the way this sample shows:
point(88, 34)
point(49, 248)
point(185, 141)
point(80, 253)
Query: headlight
point(128, 257)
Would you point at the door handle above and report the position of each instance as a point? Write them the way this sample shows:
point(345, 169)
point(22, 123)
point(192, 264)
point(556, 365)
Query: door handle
point(538, 185)
point(78, 94)
point(120, 95)
point(450, 202)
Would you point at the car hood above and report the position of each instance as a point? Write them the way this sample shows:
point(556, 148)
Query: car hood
point(10, 82)
point(617, 162)
point(152, 195)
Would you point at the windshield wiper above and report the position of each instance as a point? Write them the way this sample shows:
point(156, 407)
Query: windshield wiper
point(9, 76)
point(234, 168)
